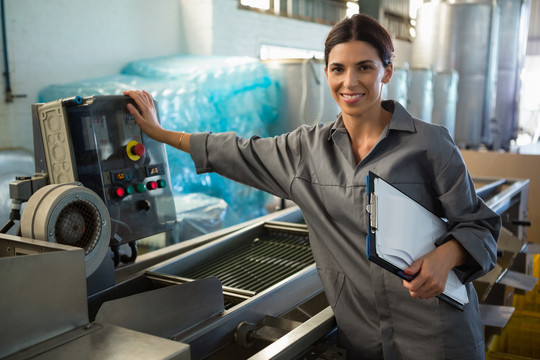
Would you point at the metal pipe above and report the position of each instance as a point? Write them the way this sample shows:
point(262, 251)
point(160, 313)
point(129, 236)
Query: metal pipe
point(9, 93)
point(486, 190)
point(6, 62)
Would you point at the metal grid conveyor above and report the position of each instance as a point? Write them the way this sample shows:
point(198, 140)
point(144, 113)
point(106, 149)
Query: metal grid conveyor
point(252, 264)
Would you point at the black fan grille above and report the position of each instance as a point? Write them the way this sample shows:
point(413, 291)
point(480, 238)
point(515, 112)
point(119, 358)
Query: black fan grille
point(79, 224)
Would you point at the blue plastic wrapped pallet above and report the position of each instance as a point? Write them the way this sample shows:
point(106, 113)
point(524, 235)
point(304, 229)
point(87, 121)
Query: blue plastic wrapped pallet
point(197, 93)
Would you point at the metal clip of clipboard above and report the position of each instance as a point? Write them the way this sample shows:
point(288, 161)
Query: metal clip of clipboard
point(372, 210)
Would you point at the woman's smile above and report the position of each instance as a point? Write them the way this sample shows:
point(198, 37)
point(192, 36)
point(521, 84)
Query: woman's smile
point(352, 98)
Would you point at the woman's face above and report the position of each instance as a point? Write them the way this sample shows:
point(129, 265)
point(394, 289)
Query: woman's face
point(355, 75)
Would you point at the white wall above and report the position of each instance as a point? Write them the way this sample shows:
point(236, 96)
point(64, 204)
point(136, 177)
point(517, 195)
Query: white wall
point(60, 41)
point(242, 32)
point(198, 25)
point(219, 27)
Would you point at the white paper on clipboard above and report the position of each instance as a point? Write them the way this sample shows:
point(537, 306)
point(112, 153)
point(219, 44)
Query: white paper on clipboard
point(406, 231)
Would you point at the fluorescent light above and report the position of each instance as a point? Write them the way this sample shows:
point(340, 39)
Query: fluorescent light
point(259, 4)
point(269, 52)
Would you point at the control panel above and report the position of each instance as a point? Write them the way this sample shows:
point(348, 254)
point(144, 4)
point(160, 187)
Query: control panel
point(96, 141)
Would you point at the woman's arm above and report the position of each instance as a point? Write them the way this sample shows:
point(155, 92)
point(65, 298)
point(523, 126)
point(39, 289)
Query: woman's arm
point(268, 164)
point(469, 247)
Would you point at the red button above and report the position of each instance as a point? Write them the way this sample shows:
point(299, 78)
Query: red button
point(138, 150)
point(151, 185)
point(119, 192)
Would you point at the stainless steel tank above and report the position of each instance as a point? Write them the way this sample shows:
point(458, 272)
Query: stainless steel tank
point(398, 86)
point(445, 98)
point(514, 19)
point(461, 36)
point(303, 91)
point(475, 28)
point(420, 94)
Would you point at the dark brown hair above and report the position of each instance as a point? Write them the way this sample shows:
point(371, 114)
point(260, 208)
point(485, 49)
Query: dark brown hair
point(361, 27)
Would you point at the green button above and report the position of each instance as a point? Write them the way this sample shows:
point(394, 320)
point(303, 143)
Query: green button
point(161, 183)
point(129, 190)
point(141, 188)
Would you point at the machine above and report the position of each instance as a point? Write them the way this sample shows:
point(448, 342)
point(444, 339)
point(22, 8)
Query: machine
point(44, 289)
point(96, 142)
point(108, 184)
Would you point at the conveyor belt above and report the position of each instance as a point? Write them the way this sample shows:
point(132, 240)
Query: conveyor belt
point(246, 263)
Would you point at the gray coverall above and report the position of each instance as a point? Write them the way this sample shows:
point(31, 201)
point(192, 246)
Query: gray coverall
point(315, 167)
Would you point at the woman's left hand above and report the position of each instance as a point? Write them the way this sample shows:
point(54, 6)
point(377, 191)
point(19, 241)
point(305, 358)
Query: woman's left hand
point(432, 270)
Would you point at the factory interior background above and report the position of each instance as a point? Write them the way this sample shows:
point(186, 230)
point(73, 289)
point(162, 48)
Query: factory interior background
point(63, 49)
point(255, 67)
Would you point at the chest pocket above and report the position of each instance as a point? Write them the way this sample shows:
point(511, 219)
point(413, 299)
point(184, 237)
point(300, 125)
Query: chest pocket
point(346, 205)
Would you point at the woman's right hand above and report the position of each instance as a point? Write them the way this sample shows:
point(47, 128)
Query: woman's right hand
point(147, 117)
point(147, 120)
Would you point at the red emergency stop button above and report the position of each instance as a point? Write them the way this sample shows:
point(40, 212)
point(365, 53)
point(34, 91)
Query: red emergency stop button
point(151, 185)
point(138, 150)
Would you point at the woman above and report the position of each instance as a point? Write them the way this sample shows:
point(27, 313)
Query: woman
point(323, 170)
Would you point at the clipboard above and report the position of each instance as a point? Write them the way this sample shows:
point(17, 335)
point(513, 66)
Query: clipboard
point(394, 220)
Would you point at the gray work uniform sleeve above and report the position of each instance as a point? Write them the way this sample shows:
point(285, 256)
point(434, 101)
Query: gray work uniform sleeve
point(471, 222)
point(268, 164)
